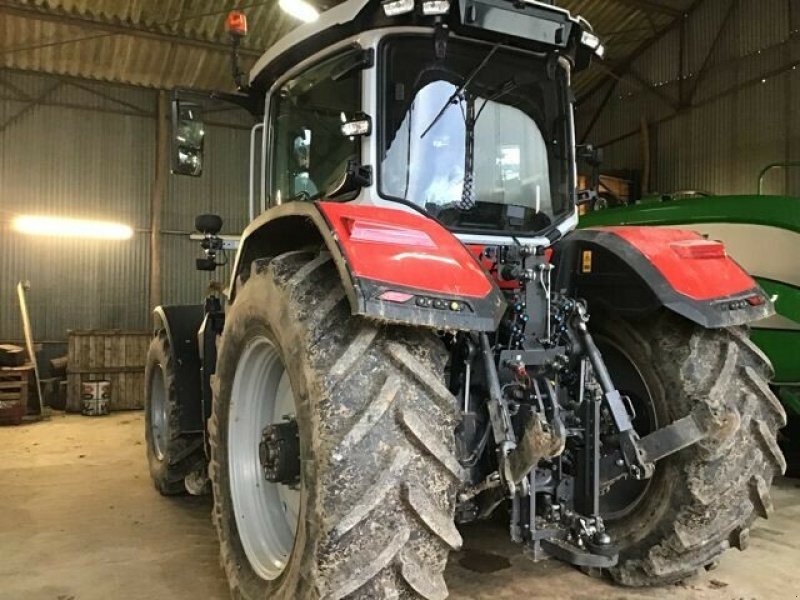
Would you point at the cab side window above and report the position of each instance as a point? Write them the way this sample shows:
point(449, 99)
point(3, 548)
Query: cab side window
point(309, 152)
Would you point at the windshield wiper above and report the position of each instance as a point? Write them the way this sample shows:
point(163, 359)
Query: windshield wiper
point(461, 88)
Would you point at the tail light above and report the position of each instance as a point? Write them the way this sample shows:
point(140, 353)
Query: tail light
point(367, 231)
point(699, 249)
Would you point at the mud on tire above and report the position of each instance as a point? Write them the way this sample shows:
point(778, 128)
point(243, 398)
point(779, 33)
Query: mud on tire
point(376, 436)
point(704, 499)
point(170, 456)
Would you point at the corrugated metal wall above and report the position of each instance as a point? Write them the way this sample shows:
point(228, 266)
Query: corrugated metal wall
point(717, 134)
point(88, 150)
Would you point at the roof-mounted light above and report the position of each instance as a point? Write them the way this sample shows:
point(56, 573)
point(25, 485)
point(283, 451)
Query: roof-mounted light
point(392, 8)
point(435, 7)
point(592, 42)
point(236, 23)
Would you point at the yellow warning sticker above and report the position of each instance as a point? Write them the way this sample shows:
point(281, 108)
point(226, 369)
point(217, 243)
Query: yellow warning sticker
point(586, 263)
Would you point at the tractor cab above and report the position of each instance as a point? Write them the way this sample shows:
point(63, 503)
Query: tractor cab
point(457, 110)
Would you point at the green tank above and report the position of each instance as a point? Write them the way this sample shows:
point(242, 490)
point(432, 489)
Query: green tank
point(762, 233)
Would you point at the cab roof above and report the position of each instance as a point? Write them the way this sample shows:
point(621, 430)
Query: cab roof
point(353, 16)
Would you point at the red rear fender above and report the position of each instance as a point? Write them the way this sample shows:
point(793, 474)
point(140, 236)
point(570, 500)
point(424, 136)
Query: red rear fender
point(636, 270)
point(395, 266)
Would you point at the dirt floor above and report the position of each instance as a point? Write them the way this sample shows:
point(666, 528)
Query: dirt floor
point(80, 520)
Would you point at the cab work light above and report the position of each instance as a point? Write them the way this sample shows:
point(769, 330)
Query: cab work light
point(592, 42)
point(75, 228)
point(393, 8)
point(360, 124)
point(299, 9)
point(435, 7)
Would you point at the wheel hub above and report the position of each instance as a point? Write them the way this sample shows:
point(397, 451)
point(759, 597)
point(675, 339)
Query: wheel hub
point(158, 412)
point(262, 436)
point(279, 453)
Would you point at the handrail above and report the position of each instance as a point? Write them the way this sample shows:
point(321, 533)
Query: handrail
point(251, 201)
point(769, 167)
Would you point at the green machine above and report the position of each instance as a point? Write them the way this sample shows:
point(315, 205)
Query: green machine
point(762, 233)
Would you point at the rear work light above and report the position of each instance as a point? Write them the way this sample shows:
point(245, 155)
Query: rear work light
point(699, 249)
point(392, 8)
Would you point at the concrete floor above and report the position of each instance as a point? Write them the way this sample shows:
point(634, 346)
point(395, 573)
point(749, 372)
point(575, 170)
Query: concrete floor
point(80, 520)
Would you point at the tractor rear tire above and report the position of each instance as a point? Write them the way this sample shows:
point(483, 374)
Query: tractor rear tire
point(704, 499)
point(376, 436)
point(170, 456)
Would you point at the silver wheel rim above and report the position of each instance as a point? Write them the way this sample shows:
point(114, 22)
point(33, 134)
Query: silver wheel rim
point(266, 513)
point(158, 412)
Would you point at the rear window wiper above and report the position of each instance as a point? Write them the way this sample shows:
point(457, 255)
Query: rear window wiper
point(461, 88)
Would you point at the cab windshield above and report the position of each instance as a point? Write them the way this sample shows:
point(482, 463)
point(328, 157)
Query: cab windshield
point(479, 138)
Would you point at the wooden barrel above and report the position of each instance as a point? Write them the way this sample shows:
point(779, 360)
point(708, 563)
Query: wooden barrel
point(112, 355)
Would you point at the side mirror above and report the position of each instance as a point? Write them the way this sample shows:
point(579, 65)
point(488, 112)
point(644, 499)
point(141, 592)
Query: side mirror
point(350, 181)
point(188, 132)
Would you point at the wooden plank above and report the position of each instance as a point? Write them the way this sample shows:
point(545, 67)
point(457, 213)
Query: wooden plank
point(22, 287)
point(12, 385)
point(71, 339)
point(101, 371)
point(73, 393)
point(85, 349)
point(108, 346)
point(108, 342)
point(23, 369)
point(96, 351)
point(105, 332)
point(134, 385)
point(122, 391)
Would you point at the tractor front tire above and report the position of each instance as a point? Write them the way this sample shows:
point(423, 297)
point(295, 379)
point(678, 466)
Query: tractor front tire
point(170, 456)
point(375, 427)
point(704, 499)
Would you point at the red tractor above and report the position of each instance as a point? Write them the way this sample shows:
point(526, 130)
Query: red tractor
point(406, 342)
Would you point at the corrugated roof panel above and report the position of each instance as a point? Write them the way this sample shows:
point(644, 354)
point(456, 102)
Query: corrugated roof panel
point(75, 46)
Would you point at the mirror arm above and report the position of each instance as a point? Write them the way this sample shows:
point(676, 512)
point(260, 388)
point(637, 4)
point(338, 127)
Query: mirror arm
point(248, 101)
point(238, 74)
